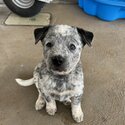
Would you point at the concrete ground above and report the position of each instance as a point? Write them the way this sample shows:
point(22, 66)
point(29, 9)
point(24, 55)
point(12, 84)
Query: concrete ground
point(104, 67)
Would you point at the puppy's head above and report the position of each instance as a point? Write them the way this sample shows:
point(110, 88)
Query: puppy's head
point(62, 46)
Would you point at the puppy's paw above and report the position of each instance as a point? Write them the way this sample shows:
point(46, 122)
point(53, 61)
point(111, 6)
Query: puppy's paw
point(78, 115)
point(51, 109)
point(39, 104)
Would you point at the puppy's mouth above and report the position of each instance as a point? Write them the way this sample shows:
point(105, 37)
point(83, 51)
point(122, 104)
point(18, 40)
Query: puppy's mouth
point(58, 69)
point(60, 72)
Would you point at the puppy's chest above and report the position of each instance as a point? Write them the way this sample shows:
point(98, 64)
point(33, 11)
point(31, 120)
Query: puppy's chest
point(59, 84)
point(59, 88)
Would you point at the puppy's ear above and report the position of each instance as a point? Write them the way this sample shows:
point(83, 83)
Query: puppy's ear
point(40, 33)
point(86, 36)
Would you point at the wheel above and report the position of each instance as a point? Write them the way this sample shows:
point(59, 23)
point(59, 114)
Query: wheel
point(24, 8)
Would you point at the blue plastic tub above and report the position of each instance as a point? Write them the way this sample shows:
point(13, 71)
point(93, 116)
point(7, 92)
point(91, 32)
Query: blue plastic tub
point(108, 10)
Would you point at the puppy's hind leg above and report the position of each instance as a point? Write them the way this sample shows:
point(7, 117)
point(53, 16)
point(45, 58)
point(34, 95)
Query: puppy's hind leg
point(40, 103)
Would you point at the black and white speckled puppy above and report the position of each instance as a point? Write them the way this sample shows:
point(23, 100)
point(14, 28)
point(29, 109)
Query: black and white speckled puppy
point(59, 76)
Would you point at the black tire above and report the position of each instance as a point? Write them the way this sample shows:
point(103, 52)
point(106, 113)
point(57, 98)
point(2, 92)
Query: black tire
point(28, 12)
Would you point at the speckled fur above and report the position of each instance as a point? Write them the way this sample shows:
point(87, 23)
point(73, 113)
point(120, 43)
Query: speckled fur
point(66, 85)
point(61, 40)
point(69, 84)
point(60, 88)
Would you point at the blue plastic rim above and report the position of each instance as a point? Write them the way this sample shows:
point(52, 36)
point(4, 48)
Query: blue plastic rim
point(108, 10)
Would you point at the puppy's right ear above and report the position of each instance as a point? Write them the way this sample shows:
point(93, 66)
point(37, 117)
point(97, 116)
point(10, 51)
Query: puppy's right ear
point(40, 33)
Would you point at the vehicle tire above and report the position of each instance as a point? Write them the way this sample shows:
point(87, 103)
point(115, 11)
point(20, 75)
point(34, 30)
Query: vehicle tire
point(24, 8)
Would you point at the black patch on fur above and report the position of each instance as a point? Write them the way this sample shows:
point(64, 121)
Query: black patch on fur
point(60, 81)
point(47, 98)
point(86, 36)
point(76, 99)
point(40, 33)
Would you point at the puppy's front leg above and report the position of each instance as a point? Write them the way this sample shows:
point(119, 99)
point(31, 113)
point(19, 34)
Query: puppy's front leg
point(40, 102)
point(76, 108)
point(50, 105)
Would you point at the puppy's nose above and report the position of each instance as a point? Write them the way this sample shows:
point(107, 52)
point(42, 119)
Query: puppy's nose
point(58, 60)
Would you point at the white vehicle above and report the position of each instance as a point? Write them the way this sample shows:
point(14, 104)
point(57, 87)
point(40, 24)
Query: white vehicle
point(25, 8)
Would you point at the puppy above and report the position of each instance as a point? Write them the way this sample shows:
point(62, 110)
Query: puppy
point(59, 76)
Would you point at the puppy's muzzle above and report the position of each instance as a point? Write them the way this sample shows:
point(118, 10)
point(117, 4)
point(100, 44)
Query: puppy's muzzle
point(58, 63)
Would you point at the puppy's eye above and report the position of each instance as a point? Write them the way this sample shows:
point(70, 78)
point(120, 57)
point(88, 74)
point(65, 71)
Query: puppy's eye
point(72, 47)
point(49, 45)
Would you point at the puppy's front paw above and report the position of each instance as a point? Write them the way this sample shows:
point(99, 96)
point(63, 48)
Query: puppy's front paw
point(39, 104)
point(51, 109)
point(77, 115)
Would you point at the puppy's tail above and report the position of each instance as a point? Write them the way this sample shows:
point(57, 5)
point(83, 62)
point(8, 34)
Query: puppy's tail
point(25, 82)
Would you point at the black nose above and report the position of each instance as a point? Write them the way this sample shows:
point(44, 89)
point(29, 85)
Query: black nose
point(58, 60)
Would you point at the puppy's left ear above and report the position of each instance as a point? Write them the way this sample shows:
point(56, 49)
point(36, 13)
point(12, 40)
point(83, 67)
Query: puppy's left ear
point(86, 36)
point(40, 33)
